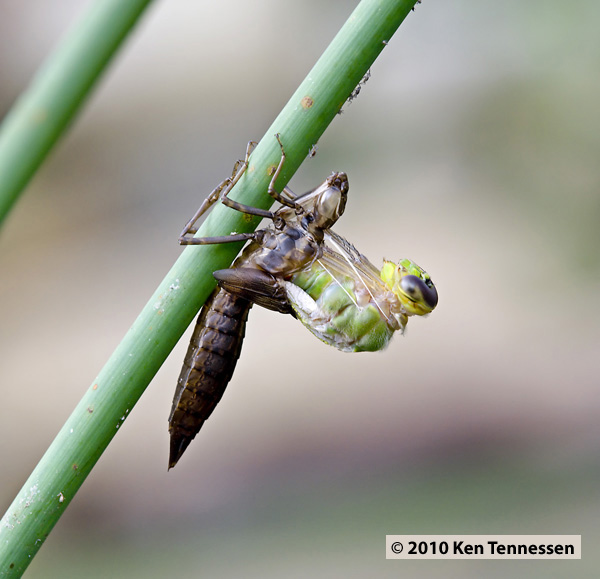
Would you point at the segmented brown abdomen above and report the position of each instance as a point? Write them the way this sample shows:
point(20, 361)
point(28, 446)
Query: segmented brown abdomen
point(217, 339)
point(208, 366)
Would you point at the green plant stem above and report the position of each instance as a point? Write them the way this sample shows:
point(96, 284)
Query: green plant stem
point(44, 111)
point(112, 395)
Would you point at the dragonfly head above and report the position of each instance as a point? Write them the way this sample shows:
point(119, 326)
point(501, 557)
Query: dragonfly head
point(412, 285)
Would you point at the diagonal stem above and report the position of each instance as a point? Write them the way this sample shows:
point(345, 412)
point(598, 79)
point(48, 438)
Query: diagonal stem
point(112, 395)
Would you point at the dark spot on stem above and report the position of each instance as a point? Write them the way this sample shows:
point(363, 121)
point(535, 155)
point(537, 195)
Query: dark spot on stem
point(307, 102)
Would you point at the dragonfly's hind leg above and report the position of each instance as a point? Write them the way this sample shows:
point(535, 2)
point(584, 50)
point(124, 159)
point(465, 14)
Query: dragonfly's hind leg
point(218, 239)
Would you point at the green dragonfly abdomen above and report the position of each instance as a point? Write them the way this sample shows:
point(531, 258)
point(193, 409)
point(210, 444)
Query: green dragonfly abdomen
point(339, 312)
point(364, 327)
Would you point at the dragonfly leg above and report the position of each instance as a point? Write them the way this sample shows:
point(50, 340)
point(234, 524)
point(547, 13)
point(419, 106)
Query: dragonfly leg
point(248, 209)
point(219, 192)
point(272, 192)
point(190, 229)
point(290, 194)
point(217, 239)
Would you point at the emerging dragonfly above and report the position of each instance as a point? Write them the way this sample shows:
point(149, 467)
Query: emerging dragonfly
point(332, 289)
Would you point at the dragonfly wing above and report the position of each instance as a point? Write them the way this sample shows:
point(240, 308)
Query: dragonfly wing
point(256, 286)
point(350, 259)
point(341, 259)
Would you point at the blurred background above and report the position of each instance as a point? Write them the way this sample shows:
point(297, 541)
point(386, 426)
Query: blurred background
point(473, 150)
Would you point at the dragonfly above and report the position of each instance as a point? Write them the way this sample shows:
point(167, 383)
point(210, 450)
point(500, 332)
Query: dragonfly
point(298, 266)
point(342, 298)
point(291, 243)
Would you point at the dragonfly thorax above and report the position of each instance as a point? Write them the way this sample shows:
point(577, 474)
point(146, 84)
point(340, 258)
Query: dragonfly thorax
point(280, 253)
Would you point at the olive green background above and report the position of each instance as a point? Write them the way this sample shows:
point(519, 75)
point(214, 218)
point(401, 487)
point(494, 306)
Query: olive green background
point(473, 150)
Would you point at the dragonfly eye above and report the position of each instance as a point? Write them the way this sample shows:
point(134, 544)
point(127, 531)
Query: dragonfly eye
point(430, 295)
point(410, 286)
point(419, 292)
